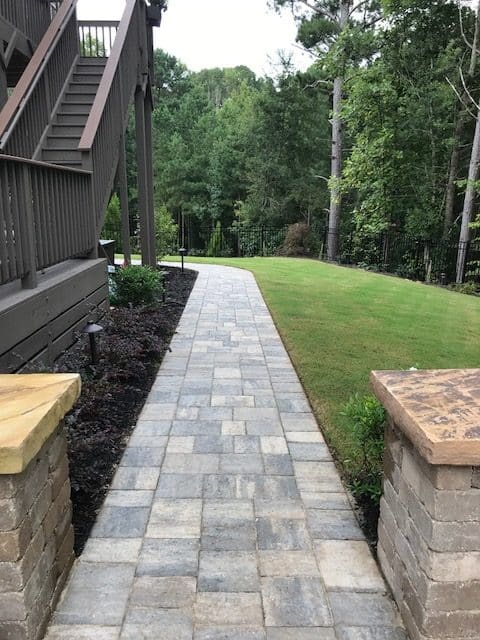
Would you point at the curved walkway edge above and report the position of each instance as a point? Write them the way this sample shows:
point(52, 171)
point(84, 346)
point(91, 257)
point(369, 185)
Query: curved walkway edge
point(226, 519)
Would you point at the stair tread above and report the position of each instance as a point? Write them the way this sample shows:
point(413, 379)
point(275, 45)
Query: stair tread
point(83, 83)
point(66, 163)
point(68, 134)
point(96, 62)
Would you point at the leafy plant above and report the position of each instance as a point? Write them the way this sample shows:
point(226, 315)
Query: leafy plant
point(166, 233)
point(366, 419)
point(217, 245)
point(136, 286)
point(299, 240)
point(468, 288)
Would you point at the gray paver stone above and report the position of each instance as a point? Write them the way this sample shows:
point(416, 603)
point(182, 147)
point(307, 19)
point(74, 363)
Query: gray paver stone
point(130, 478)
point(295, 602)
point(237, 536)
point(179, 485)
point(282, 534)
point(371, 633)
point(334, 525)
point(96, 594)
point(228, 571)
point(168, 557)
point(278, 465)
point(348, 565)
point(235, 609)
point(362, 609)
point(168, 592)
point(121, 522)
point(157, 624)
point(229, 633)
point(301, 633)
point(83, 632)
point(112, 550)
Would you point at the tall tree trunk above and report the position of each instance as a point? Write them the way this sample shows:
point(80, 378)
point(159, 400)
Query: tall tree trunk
point(459, 128)
point(468, 203)
point(337, 153)
point(452, 175)
point(336, 172)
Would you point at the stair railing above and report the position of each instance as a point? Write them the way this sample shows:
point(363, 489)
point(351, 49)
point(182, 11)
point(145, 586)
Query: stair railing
point(107, 122)
point(45, 217)
point(29, 110)
point(97, 37)
point(31, 17)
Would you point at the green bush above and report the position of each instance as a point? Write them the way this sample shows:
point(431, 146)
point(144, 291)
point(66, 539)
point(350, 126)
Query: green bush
point(166, 233)
point(366, 419)
point(468, 288)
point(136, 286)
point(299, 241)
point(217, 245)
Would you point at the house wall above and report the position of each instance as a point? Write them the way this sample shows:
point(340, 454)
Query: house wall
point(37, 325)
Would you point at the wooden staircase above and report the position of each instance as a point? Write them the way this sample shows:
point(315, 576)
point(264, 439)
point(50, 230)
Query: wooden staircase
point(62, 145)
point(64, 135)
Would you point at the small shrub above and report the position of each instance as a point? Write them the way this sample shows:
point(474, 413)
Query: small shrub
point(468, 288)
point(136, 286)
point(299, 241)
point(218, 245)
point(166, 233)
point(366, 418)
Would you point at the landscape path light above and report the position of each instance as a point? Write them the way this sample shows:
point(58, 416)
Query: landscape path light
point(91, 329)
point(183, 253)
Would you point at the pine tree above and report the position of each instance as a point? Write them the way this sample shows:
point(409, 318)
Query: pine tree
point(334, 29)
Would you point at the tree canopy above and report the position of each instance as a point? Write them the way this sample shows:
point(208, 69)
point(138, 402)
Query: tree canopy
point(231, 148)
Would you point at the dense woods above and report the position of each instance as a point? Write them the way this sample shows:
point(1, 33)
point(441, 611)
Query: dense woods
point(374, 142)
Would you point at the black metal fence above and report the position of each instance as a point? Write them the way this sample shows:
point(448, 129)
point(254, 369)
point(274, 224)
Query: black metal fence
point(393, 253)
point(413, 259)
point(235, 241)
point(213, 241)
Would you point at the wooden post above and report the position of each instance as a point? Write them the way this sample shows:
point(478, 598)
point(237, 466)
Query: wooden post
point(29, 281)
point(149, 160)
point(142, 178)
point(3, 86)
point(123, 194)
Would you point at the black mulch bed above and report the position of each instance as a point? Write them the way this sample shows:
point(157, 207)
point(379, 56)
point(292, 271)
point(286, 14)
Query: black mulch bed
point(130, 349)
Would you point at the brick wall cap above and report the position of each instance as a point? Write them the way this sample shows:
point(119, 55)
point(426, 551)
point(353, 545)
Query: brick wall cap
point(31, 407)
point(438, 410)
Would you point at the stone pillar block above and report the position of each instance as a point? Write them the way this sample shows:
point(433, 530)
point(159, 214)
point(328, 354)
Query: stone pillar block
point(36, 534)
point(429, 528)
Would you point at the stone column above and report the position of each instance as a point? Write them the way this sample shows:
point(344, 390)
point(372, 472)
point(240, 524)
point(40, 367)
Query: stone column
point(429, 528)
point(36, 534)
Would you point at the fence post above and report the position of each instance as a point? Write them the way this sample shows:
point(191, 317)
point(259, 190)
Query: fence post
point(27, 232)
point(263, 241)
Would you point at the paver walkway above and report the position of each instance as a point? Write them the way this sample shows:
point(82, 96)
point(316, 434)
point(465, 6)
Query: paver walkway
point(226, 519)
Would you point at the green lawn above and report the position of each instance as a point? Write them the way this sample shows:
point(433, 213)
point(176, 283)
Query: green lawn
point(338, 324)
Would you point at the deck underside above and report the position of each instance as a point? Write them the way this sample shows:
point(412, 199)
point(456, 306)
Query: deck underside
point(37, 325)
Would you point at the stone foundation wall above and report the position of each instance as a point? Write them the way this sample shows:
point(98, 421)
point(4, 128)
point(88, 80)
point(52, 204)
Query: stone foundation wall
point(36, 540)
point(429, 542)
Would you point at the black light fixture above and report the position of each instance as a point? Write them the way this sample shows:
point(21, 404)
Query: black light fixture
point(183, 253)
point(91, 329)
point(443, 279)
